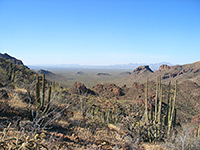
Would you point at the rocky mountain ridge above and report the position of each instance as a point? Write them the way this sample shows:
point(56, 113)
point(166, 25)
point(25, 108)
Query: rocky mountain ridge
point(12, 59)
point(168, 73)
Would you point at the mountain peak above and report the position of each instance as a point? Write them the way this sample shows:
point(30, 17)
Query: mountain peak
point(142, 69)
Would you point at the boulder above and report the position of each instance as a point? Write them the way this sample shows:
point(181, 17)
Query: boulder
point(80, 88)
point(164, 67)
point(108, 90)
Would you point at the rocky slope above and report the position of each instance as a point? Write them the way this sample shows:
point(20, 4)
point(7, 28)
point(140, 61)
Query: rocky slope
point(168, 73)
point(12, 59)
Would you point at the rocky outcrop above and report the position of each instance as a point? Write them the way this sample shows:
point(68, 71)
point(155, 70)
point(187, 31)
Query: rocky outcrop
point(142, 69)
point(80, 88)
point(125, 73)
point(107, 90)
point(164, 67)
point(103, 74)
point(80, 73)
point(12, 59)
point(138, 85)
point(46, 72)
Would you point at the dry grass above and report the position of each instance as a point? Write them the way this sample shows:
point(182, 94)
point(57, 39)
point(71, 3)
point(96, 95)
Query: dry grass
point(20, 90)
point(152, 147)
point(16, 102)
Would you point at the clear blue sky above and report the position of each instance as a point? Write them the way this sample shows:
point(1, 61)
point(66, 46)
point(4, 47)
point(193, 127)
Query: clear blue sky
point(100, 32)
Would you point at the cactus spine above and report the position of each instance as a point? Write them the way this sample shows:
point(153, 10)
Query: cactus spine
point(146, 102)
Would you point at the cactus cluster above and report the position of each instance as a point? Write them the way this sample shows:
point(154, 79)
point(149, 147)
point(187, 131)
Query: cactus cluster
point(40, 101)
point(161, 122)
point(40, 114)
point(11, 72)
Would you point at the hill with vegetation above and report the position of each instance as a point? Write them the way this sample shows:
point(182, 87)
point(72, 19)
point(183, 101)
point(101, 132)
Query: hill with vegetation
point(37, 113)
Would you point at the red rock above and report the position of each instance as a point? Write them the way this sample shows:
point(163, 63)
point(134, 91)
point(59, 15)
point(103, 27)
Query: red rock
point(164, 67)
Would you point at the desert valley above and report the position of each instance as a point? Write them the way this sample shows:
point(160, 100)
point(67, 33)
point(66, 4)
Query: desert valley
point(99, 109)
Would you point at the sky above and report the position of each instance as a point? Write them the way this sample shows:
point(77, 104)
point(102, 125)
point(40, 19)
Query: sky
point(100, 32)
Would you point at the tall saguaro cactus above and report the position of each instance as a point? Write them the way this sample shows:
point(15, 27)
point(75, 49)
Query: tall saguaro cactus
point(169, 104)
point(173, 109)
point(160, 107)
point(146, 102)
point(43, 90)
point(40, 102)
point(156, 100)
point(37, 91)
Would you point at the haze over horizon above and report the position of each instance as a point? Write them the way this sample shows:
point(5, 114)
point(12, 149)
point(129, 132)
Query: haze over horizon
point(101, 32)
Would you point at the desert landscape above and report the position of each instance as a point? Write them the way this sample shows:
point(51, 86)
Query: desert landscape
point(38, 112)
point(99, 75)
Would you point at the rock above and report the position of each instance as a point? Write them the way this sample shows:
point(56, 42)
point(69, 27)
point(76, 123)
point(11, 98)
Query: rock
point(46, 72)
point(108, 90)
point(142, 69)
point(3, 94)
point(80, 73)
point(103, 74)
point(80, 88)
point(125, 73)
point(164, 67)
point(137, 85)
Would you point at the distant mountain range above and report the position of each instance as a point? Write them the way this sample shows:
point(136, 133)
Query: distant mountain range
point(129, 66)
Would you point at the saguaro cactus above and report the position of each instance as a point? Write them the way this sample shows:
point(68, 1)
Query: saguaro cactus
point(169, 104)
point(48, 100)
point(43, 90)
point(156, 100)
point(173, 109)
point(40, 103)
point(37, 91)
point(146, 102)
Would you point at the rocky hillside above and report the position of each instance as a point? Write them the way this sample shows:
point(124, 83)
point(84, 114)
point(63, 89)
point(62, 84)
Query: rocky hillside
point(12, 59)
point(12, 73)
point(105, 116)
point(168, 73)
